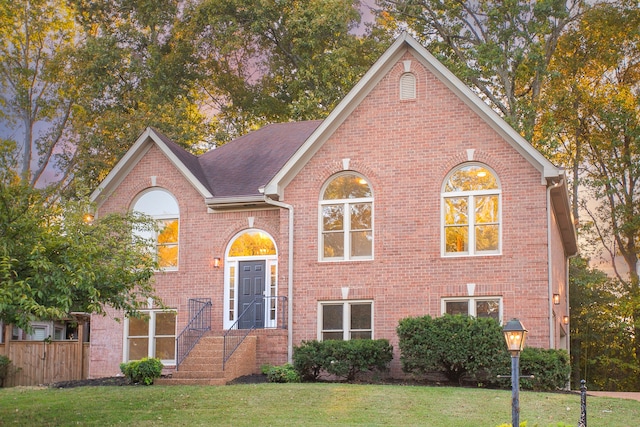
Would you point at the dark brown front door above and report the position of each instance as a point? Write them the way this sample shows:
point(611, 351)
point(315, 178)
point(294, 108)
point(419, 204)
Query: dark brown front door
point(251, 298)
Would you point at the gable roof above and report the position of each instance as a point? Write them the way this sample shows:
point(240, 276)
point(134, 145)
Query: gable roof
point(382, 66)
point(184, 161)
point(230, 175)
point(262, 163)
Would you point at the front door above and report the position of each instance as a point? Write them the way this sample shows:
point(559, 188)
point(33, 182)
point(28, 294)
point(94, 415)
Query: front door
point(251, 280)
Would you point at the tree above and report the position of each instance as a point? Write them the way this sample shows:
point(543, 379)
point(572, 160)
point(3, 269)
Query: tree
point(602, 345)
point(136, 70)
point(35, 101)
point(277, 61)
point(53, 262)
point(597, 120)
point(502, 49)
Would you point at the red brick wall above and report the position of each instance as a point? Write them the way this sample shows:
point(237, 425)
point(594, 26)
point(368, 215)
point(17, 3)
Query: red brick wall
point(202, 237)
point(405, 149)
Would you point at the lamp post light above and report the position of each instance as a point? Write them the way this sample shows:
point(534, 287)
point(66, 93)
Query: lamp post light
point(514, 335)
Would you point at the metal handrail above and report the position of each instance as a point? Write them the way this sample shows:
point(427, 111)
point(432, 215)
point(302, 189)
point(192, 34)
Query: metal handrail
point(234, 336)
point(199, 324)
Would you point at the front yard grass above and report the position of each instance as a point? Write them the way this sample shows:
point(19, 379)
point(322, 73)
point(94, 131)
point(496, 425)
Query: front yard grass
point(302, 405)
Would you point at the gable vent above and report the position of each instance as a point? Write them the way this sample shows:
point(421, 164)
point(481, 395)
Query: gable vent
point(407, 86)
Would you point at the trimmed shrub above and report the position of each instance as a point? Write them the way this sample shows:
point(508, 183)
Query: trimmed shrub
point(460, 347)
point(343, 359)
point(5, 368)
point(309, 359)
point(281, 374)
point(143, 371)
point(550, 369)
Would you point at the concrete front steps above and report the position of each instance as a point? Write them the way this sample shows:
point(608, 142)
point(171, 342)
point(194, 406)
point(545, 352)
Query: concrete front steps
point(203, 365)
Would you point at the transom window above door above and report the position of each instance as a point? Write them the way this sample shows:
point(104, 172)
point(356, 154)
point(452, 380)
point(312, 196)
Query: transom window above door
point(471, 211)
point(346, 218)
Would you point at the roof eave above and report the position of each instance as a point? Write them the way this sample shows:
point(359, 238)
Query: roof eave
point(564, 215)
point(133, 156)
point(236, 202)
point(275, 186)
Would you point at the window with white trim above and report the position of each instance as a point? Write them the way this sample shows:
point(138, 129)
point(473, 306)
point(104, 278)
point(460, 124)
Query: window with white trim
point(474, 306)
point(154, 335)
point(346, 218)
point(471, 211)
point(163, 207)
point(345, 320)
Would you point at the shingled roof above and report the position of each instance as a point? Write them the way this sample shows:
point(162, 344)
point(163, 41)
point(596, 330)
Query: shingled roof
point(226, 176)
point(241, 167)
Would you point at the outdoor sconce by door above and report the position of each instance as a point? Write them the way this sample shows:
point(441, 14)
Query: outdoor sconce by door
point(216, 262)
point(556, 299)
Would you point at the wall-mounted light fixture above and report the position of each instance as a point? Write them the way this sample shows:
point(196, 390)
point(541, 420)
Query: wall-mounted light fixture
point(216, 262)
point(556, 299)
point(565, 320)
point(88, 218)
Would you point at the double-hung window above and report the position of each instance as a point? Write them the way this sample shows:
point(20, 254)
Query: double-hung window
point(154, 335)
point(471, 212)
point(346, 220)
point(163, 207)
point(345, 320)
point(474, 306)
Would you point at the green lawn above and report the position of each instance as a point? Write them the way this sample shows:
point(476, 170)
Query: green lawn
point(301, 404)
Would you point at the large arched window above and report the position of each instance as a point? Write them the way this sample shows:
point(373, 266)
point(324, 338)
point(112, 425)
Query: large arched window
point(163, 207)
point(471, 211)
point(346, 218)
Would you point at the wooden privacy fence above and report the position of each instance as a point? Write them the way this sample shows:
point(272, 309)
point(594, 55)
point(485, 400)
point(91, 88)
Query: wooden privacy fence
point(42, 362)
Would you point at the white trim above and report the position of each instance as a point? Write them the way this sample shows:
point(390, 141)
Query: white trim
point(380, 68)
point(346, 316)
point(470, 195)
point(142, 145)
point(233, 262)
point(158, 218)
point(471, 306)
point(151, 336)
point(346, 226)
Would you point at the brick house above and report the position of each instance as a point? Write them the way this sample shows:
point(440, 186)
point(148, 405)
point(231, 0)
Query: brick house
point(413, 197)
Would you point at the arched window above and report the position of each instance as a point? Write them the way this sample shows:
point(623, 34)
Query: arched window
point(346, 221)
point(163, 207)
point(471, 211)
point(407, 86)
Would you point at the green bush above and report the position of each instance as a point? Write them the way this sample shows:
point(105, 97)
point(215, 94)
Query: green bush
point(143, 371)
point(281, 374)
point(5, 365)
point(309, 359)
point(461, 347)
point(344, 359)
point(550, 369)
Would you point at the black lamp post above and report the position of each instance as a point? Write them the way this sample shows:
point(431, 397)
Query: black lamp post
point(514, 335)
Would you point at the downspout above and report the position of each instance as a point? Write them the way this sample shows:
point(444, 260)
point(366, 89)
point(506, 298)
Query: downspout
point(552, 337)
point(289, 276)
